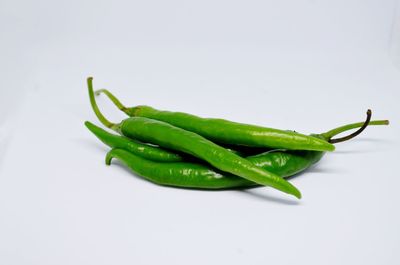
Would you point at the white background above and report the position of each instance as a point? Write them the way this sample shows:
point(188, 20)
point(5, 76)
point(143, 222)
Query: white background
point(305, 65)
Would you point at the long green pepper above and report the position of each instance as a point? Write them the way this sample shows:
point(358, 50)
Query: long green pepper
point(280, 162)
point(194, 175)
point(143, 150)
point(178, 174)
point(227, 132)
point(171, 137)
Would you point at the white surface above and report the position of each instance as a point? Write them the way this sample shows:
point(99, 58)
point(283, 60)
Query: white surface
point(395, 37)
point(304, 65)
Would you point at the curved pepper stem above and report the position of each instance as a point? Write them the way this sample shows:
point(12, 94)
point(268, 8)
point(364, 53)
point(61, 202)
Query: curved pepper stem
point(354, 134)
point(361, 125)
point(113, 99)
point(95, 108)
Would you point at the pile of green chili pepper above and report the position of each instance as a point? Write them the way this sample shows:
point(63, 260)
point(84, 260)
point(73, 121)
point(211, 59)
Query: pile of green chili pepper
point(182, 150)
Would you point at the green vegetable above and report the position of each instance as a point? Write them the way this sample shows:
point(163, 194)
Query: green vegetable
point(143, 150)
point(174, 138)
point(228, 132)
point(178, 174)
point(146, 159)
point(192, 175)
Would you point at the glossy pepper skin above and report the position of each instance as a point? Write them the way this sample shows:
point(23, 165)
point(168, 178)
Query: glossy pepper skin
point(190, 175)
point(227, 132)
point(193, 175)
point(143, 150)
point(286, 163)
point(197, 176)
point(174, 138)
point(178, 174)
point(281, 162)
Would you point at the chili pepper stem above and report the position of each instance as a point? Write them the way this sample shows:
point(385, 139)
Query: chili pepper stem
point(96, 110)
point(361, 125)
point(113, 99)
point(344, 128)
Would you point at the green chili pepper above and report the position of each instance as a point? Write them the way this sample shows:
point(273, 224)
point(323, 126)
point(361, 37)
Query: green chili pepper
point(280, 162)
point(178, 174)
point(194, 175)
point(144, 150)
point(227, 132)
point(191, 175)
point(171, 137)
point(264, 159)
point(287, 163)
